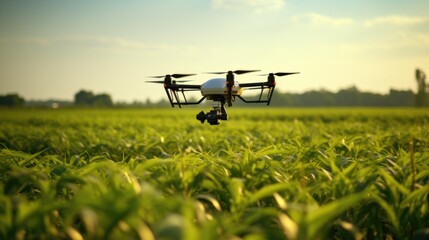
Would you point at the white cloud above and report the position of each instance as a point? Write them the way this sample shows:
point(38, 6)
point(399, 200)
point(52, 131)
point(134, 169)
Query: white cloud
point(396, 20)
point(318, 19)
point(256, 5)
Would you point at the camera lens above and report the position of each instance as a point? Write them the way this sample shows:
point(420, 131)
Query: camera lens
point(201, 117)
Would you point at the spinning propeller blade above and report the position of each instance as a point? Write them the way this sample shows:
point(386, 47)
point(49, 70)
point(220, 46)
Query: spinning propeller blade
point(180, 81)
point(156, 76)
point(280, 74)
point(174, 81)
point(176, 75)
point(155, 82)
point(236, 72)
point(215, 72)
point(245, 71)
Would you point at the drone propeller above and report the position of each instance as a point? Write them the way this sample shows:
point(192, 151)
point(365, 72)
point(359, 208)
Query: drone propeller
point(176, 75)
point(236, 72)
point(168, 79)
point(174, 81)
point(280, 74)
point(155, 81)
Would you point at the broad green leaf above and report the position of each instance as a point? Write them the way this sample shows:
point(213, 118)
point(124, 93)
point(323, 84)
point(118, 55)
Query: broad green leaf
point(267, 191)
point(324, 215)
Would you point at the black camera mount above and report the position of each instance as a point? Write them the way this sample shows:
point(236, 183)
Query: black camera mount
point(214, 116)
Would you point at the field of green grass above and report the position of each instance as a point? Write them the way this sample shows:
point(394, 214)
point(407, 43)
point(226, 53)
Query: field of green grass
point(266, 173)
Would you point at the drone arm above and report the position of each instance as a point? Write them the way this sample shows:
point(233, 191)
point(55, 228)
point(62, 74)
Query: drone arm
point(257, 84)
point(187, 87)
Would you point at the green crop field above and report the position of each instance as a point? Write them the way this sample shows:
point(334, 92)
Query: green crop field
point(264, 174)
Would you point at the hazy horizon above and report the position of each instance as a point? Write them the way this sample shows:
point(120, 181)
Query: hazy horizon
point(53, 49)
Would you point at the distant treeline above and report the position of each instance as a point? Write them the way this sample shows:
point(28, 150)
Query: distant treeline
point(317, 98)
point(323, 98)
point(345, 97)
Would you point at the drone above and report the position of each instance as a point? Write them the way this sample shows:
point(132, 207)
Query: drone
point(221, 90)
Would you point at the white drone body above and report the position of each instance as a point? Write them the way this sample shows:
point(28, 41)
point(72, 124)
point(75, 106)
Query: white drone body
point(218, 86)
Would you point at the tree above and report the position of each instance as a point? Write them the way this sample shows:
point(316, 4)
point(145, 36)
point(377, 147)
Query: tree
point(102, 100)
point(348, 97)
point(421, 88)
point(83, 98)
point(317, 98)
point(400, 98)
point(12, 100)
point(87, 98)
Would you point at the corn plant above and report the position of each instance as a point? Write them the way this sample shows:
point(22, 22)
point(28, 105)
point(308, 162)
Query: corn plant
point(264, 174)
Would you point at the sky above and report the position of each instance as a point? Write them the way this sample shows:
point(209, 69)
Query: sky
point(51, 49)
